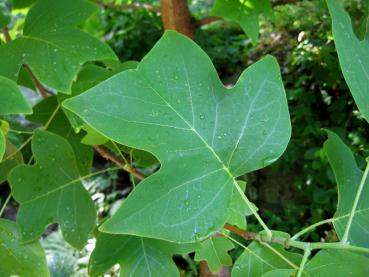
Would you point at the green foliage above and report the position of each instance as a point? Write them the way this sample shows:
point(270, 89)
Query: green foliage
point(353, 55)
point(348, 177)
point(137, 256)
point(258, 259)
point(50, 191)
point(215, 251)
point(188, 119)
point(51, 46)
point(184, 143)
point(246, 13)
point(11, 95)
point(18, 258)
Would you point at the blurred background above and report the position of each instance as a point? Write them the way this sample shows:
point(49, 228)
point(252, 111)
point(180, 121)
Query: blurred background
point(296, 191)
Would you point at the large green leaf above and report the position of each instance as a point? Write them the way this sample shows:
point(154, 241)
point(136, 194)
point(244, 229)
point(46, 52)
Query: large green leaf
point(214, 250)
point(50, 191)
point(258, 259)
point(12, 96)
point(51, 44)
point(136, 256)
point(353, 56)
point(244, 12)
point(348, 176)
point(205, 135)
point(60, 125)
point(2, 144)
point(338, 263)
point(18, 259)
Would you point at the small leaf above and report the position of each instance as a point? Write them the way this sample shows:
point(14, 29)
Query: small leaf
point(244, 12)
point(258, 259)
point(136, 256)
point(353, 55)
point(214, 250)
point(2, 145)
point(50, 191)
point(60, 126)
point(51, 44)
point(12, 96)
point(204, 135)
point(18, 259)
point(338, 263)
point(10, 161)
point(238, 210)
point(348, 176)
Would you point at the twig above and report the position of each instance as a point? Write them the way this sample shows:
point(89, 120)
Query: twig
point(242, 233)
point(311, 227)
point(206, 20)
point(109, 156)
point(5, 203)
point(7, 35)
point(134, 6)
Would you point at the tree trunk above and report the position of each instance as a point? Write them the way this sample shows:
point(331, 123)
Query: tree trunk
point(176, 16)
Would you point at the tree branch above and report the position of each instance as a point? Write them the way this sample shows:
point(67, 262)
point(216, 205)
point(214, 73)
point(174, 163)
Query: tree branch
point(105, 153)
point(134, 6)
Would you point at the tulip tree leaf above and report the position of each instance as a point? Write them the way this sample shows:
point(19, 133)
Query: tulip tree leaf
point(280, 273)
point(238, 210)
point(348, 176)
point(136, 256)
point(353, 55)
point(50, 191)
point(244, 12)
point(258, 259)
point(2, 144)
point(340, 263)
point(60, 126)
point(10, 160)
point(215, 251)
point(204, 135)
point(12, 96)
point(51, 44)
point(18, 259)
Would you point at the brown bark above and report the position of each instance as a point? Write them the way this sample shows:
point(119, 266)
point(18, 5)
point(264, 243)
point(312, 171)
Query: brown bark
point(176, 16)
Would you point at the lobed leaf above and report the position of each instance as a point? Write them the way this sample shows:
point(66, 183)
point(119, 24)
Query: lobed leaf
point(11, 159)
point(136, 256)
point(51, 45)
point(348, 176)
point(50, 191)
point(205, 135)
point(18, 259)
point(214, 250)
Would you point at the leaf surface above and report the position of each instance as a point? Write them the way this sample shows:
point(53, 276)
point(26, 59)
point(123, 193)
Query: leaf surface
point(244, 12)
point(136, 256)
point(258, 259)
point(204, 135)
point(51, 44)
point(348, 176)
point(50, 191)
point(338, 263)
point(10, 160)
point(214, 250)
point(18, 259)
point(353, 56)
point(12, 96)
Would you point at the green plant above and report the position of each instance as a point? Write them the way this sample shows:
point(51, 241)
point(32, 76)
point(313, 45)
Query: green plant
point(171, 117)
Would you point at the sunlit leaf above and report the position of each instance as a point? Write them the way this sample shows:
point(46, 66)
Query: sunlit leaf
point(204, 135)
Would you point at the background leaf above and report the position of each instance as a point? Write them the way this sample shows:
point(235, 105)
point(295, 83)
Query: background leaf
point(348, 176)
point(18, 258)
point(50, 191)
point(51, 44)
point(136, 256)
point(353, 56)
point(214, 250)
point(12, 96)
